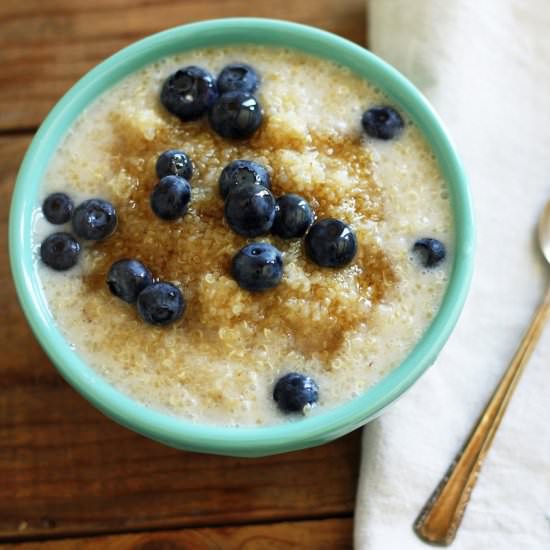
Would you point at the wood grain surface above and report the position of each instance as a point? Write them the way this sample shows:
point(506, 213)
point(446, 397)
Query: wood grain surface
point(65, 469)
point(321, 534)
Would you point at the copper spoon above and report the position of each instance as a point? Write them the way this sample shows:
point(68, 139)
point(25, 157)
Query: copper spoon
point(441, 516)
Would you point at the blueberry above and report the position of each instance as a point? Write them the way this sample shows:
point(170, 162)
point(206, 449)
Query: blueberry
point(189, 93)
point(293, 217)
point(94, 219)
point(382, 122)
point(431, 251)
point(60, 251)
point(170, 197)
point(237, 77)
point(239, 172)
point(127, 278)
point(174, 163)
point(250, 210)
point(257, 266)
point(331, 243)
point(293, 392)
point(236, 115)
point(57, 208)
point(160, 303)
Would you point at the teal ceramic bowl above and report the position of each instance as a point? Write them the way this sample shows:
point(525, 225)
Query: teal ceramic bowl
point(167, 429)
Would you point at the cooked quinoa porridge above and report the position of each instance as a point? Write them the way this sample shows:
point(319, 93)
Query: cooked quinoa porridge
point(344, 327)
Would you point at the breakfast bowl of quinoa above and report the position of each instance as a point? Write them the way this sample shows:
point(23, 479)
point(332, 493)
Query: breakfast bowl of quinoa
point(242, 236)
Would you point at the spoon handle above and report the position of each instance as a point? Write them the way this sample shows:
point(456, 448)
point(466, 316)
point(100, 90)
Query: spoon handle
point(439, 519)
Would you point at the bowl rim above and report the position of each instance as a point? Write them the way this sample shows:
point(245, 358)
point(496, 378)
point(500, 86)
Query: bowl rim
point(237, 441)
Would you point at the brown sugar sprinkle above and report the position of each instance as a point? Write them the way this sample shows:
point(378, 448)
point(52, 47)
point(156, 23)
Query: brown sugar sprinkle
point(312, 308)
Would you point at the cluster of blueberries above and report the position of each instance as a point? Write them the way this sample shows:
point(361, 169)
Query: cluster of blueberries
point(250, 210)
point(233, 111)
point(158, 302)
point(91, 220)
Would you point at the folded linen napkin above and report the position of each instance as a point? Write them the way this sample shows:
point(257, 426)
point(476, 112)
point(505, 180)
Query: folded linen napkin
point(485, 66)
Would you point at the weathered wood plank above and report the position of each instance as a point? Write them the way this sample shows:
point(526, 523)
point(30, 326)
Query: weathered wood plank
point(21, 357)
point(46, 46)
point(326, 534)
point(66, 469)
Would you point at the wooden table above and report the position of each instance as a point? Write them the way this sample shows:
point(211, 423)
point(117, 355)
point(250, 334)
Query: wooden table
point(70, 476)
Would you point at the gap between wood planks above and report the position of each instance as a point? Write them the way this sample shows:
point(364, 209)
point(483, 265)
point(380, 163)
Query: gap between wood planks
point(7, 132)
point(173, 528)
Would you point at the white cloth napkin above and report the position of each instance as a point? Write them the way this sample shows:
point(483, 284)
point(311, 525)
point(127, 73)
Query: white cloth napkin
point(485, 66)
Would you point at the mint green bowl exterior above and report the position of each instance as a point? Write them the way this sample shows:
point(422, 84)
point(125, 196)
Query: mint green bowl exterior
point(162, 427)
